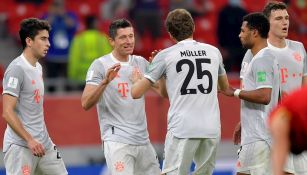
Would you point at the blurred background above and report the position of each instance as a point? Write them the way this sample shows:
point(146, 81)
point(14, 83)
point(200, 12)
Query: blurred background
point(80, 34)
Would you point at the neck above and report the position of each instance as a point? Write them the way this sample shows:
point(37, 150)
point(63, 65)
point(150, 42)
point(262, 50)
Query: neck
point(277, 42)
point(258, 46)
point(30, 57)
point(119, 57)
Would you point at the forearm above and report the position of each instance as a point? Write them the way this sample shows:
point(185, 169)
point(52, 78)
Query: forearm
point(13, 121)
point(160, 88)
point(256, 96)
point(304, 81)
point(140, 87)
point(91, 96)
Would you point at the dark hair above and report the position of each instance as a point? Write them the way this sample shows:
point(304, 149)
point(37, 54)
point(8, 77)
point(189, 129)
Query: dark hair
point(30, 28)
point(258, 22)
point(118, 24)
point(179, 23)
point(273, 5)
point(90, 22)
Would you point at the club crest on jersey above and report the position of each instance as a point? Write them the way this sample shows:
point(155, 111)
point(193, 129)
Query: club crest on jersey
point(26, 170)
point(13, 82)
point(119, 166)
point(297, 56)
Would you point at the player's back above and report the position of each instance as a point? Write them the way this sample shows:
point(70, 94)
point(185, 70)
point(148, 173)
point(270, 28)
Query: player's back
point(192, 70)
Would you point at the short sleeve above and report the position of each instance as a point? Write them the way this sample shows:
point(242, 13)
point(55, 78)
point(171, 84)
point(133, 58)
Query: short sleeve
point(263, 72)
point(156, 68)
point(95, 73)
point(305, 61)
point(222, 70)
point(12, 81)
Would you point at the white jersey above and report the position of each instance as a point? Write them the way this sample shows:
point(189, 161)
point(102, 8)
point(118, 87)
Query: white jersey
point(121, 118)
point(191, 69)
point(25, 82)
point(262, 71)
point(293, 64)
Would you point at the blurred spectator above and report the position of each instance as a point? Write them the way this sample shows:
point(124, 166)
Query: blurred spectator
point(115, 9)
point(36, 2)
point(86, 46)
point(64, 26)
point(298, 16)
point(229, 26)
point(147, 16)
point(195, 7)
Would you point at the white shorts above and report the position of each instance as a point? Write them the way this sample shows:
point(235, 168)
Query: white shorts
point(125, 159)
point(20, 160)
point(179, 154)
point(297, 164)
point(254, 159)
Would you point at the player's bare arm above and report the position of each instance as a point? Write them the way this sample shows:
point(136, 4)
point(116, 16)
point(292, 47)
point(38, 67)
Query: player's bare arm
point(159, 87)
point(91, 93)
point(304, 81)
point(280, 133)
point(223, 83)
point(260, 96)
point(140, 87)
point(9, 115)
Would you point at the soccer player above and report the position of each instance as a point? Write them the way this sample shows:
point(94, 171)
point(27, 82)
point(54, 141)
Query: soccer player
point(288, 125)
point(122, 119)
point(292, 59)
point(27, 146)
point(193, 72)
point(259, 94)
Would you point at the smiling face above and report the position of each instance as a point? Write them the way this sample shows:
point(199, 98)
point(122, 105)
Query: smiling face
point(123, 43)
point(279, 23)
point(40, 44)
point(246, 36)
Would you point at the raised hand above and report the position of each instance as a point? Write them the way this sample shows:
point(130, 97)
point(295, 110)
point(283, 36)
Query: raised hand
point(112, 72)
point(153, 54)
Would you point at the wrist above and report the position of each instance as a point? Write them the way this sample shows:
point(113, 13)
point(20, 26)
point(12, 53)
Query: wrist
point(105, 81)
point(236, 93)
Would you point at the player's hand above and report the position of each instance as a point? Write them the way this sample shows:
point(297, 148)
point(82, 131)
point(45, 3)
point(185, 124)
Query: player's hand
point(237, 134)
point(36, 148)
point(112, 72)
point(136, 75)
point(153, 54)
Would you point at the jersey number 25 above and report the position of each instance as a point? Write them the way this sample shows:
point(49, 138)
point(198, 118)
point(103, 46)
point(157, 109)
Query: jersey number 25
point(200, 74)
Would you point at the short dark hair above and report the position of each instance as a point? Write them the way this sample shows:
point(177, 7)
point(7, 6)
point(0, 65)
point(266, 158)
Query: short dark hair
point(273, 5)
point(30, 27)
point(180, 24)
point(118, 24)
point(259, 22)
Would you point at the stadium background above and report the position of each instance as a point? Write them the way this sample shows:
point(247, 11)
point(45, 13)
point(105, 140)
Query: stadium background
point(75, 131)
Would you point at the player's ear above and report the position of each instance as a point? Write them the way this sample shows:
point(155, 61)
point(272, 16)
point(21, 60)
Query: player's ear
point(111, 41)
point(29, 41)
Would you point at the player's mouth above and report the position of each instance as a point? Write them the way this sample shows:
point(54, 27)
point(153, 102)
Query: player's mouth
point(285, 29)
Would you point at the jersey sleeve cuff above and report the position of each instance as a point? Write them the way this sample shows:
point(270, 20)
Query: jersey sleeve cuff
point(10, 93)
point(150, 78)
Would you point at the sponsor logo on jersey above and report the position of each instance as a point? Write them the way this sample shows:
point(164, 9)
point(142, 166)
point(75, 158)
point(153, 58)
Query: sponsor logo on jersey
point(13, 82)
point(261, 77)
point(123, 89)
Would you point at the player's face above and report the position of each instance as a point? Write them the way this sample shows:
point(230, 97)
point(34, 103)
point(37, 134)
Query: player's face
point(279, 23)
point(40, 45)
point(124, 41)
point(245, 36)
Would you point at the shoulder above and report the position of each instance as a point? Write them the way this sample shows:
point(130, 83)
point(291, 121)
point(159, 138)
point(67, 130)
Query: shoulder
point(295, 44)
point(16, 65)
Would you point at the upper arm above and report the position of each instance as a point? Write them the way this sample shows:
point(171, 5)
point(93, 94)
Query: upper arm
point(223, 82)
point(9, 104)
